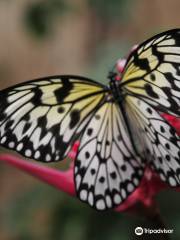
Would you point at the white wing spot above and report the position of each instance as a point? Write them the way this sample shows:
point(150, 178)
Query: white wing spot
point(91, 199)
point(28, 153)
point(56, 158)
point(108, 201)
point(83, 195)
point(19, 147)
point(123, 193)
point(48, 157)
point(130, 187)
point(75, 170)
point(136, 181)
point(78, 180)
point(162, 176)
point(117, 199)
point(11, 144)
point(37, 154)
point(3, 139)
point(100, 204)
point(172, 181)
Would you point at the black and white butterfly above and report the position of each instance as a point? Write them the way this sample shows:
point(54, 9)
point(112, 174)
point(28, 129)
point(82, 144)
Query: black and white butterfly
point(119, 126)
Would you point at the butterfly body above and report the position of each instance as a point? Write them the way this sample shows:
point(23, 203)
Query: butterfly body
point(116, 90)
point(118, 96)
point(119, 127)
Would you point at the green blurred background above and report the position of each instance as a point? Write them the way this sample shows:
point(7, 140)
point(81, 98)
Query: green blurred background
point(40, 38)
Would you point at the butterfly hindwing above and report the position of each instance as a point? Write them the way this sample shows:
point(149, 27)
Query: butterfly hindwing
point(159, 142)
point(107, 169)
point(41, 118)
point(152, 72)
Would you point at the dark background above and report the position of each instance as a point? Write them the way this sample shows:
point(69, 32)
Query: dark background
point(84, 37)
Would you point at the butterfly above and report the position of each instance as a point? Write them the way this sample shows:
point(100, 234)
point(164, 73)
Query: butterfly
point(120, 126)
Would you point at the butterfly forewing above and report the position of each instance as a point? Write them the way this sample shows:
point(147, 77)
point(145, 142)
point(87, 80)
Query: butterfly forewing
point(152, 72)
point(42, 118)
point(107, 169)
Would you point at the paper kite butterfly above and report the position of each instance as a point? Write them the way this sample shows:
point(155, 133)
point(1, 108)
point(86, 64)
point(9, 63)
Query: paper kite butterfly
point(119, 126)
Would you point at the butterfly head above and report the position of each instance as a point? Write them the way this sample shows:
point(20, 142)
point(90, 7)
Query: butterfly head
point(114, 85)
point(112, 76)
point(116, 73)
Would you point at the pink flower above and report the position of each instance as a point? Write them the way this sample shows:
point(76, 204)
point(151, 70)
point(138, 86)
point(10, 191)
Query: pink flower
point(64, 180)
point(145, 193)
point(174, 121)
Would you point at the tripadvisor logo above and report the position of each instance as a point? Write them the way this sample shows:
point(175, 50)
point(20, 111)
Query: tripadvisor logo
point(140, 231)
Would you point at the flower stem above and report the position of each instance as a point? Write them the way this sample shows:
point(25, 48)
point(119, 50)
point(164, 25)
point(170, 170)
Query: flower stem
point(158, 223)
point(153, 220)
point(152, 214)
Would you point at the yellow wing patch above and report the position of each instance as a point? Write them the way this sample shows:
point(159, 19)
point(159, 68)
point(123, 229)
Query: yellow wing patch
point(152, 72)
point(41, 119)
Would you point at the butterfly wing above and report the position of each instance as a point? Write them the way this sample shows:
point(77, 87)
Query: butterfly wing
point(41, 119)
point(107, 169)
point(152, 72)
point(158, 141)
